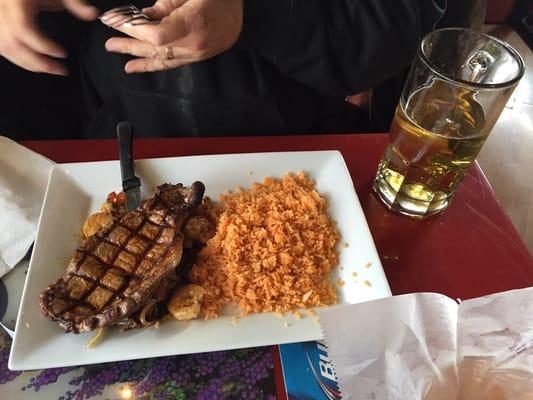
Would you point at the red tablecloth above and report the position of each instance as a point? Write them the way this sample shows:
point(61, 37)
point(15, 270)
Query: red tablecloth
point(471, 249)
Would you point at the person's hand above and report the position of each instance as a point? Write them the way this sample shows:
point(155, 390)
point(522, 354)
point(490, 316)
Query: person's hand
point(23, 44)
point(188, 31)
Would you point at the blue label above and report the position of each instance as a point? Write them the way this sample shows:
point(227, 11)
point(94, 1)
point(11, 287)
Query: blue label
point(308, 372)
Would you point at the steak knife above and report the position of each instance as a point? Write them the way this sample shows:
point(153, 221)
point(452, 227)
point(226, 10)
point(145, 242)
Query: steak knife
point(131, 185)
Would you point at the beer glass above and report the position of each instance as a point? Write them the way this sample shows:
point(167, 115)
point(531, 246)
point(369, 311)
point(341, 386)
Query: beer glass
point(458, 85)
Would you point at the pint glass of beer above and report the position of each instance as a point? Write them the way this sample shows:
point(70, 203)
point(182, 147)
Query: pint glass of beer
point(458, 85)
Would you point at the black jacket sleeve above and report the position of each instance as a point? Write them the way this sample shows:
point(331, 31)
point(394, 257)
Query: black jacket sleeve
point(338, 47)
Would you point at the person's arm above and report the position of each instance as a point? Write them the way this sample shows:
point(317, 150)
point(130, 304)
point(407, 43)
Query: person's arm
point(338, 47)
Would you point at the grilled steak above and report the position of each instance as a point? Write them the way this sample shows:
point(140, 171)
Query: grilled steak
point(126, 264)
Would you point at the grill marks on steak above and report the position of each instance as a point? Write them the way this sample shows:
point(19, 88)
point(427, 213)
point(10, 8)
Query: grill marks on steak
point(117, 271)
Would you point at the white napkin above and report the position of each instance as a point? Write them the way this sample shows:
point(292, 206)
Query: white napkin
point(389, 349)
point(23, 179)
point(495, 346)
point(427, 347)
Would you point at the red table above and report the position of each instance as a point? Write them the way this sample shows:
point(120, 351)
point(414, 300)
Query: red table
point(470, 250)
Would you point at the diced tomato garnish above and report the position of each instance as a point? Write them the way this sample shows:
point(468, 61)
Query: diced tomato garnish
point(121, 199)
point(111, 198)
point(116, 199)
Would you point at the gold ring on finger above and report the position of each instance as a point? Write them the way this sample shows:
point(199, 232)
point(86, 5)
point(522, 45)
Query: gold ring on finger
point(169, 55)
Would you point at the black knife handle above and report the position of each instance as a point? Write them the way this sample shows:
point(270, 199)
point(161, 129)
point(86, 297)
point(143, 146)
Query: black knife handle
point(125, 149)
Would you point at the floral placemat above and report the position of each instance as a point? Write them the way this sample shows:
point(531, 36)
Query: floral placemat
point(235, 374)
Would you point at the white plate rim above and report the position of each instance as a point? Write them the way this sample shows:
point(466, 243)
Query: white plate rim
point(15, 364)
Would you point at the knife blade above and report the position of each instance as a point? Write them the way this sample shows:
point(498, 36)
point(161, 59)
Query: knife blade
point(131, 184)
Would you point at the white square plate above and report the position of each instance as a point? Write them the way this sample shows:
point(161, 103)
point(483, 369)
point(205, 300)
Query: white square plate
point(75, 190)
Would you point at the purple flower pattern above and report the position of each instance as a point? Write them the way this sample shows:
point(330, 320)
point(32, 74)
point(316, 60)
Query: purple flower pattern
point(5, 374)
point(237, 374)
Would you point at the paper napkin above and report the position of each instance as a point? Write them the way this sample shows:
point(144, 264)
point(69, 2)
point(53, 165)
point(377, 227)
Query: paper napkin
point(428, 347)
point(23, 179)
